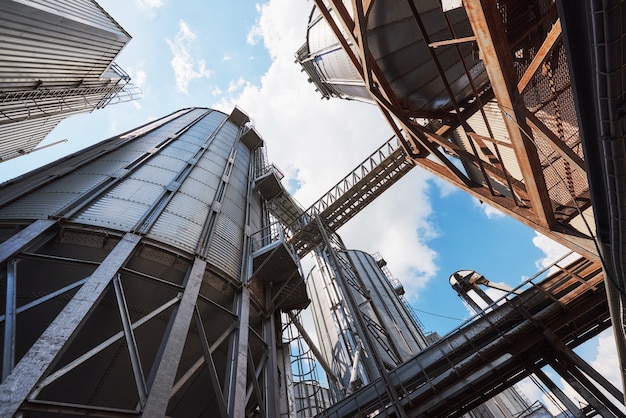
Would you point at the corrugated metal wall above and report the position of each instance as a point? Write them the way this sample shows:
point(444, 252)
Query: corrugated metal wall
point(53, 56)
point(47, 46)
point(174, 179)
point(397, 322)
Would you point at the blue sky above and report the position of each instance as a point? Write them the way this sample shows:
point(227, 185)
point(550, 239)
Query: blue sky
point(222, 53)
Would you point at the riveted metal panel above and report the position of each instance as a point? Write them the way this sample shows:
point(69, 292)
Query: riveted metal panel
point(224, 252)
point(136, 191)
point(37, 206)
point(182, 222)
point(112, 212)
point(161, 170)
point(201, 184)
point(180, 150)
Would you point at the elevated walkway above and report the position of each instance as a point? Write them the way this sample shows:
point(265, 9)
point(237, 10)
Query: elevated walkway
point(349, 196)
point(496, 349)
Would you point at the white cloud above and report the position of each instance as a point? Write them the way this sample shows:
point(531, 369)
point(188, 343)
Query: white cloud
point(256, 32)
point(489, 211)
point(149, 4)
point(227, 57)
point(186, 67)
point(552, 251)
point(235, 86)
point(325, 140)
point(606, 361)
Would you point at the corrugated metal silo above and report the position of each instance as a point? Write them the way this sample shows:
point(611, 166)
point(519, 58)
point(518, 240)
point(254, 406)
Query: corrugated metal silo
point(396, 334)
point(56, 59)
point(402, 50)
point(133, 276)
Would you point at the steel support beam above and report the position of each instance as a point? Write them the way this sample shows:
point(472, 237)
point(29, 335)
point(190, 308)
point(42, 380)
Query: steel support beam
point(560, 395)
point(50, 345)
point(236, 379)
point(491, 38)
point(24, 238)
point(167, 363)
point(208, 359)
point(8, 357)
point(131, 343)
point(98, 349)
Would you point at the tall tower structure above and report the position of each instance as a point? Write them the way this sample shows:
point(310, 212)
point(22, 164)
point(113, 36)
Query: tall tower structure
point(395, 335)
point(142, 276)
point(365, 329)
point(57, 61)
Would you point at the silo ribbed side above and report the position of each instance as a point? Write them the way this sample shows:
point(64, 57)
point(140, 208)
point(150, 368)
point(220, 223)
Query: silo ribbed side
point(157, 223)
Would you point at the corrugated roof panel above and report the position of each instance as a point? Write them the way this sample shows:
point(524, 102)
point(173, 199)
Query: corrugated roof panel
point(170, 230)
point(111, 212)
point(160, 170)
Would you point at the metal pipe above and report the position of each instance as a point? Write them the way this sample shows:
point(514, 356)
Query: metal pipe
point(355, 370)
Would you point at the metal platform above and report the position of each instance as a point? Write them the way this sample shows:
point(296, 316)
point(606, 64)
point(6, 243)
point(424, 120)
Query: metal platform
point(495, 350)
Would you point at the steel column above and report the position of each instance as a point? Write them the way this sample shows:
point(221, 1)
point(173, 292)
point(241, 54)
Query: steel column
point(8, 358)
point(560, 395)
point(167, 362)
point(237, 375)
point(41, 356)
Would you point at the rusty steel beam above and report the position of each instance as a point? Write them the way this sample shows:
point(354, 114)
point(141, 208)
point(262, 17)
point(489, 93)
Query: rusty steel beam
point(491, 39)
point(544, 51)
point(555, 142)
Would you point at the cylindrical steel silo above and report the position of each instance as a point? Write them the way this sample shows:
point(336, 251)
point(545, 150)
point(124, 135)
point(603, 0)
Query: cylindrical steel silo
point(142, 276)
point(395, 335)
point(402, 49)
point(56, 60)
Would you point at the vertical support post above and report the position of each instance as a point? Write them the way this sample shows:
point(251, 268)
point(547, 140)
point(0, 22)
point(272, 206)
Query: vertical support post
point(271, 379)
point(238, 359)
point(8, 358)
point(167, 362)
point(50, 345)
point(560, 395)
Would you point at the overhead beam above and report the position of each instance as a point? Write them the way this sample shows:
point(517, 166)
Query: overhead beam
point(488, 28)
point(544, 51)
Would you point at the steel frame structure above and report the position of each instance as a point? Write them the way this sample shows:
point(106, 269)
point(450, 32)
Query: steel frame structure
point(155, 327)
point(526, 57)
point(498, 348)
point(537, 147)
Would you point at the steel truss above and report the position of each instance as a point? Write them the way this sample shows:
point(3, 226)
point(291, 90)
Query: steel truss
point(551, 194)
point(500, 347)
point(171, 341)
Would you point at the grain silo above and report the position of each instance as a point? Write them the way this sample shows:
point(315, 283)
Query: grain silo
point(143, 276)
point(56, 60)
